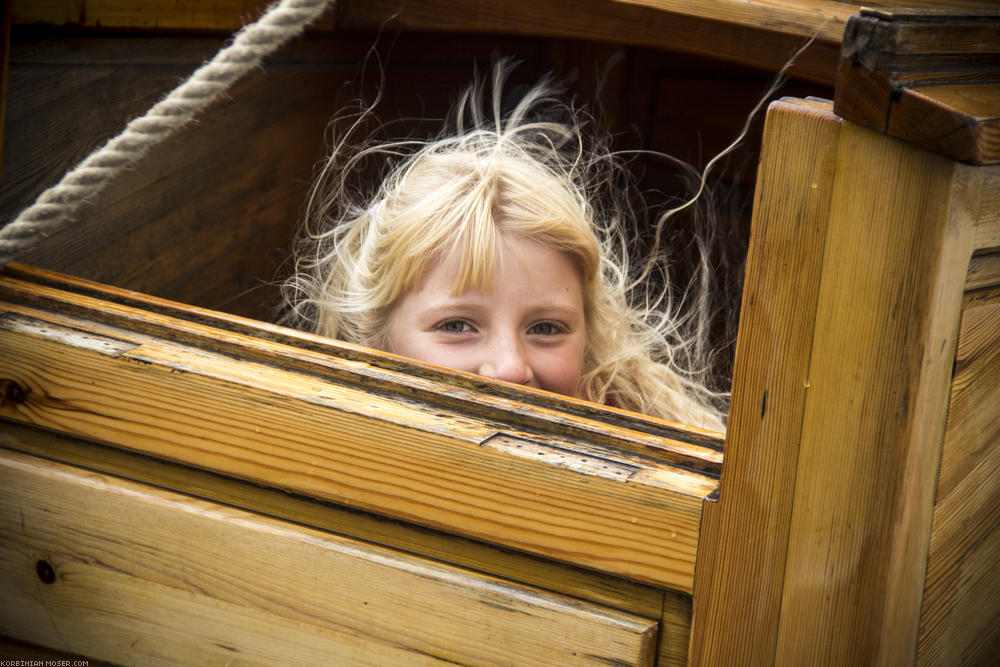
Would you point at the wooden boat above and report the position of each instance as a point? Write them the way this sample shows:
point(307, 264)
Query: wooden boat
point(182, 482)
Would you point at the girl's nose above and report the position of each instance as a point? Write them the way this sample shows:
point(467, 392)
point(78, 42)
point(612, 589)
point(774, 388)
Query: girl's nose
point(506, 361)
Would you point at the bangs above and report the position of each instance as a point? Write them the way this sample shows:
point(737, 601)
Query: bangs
point(458, 213)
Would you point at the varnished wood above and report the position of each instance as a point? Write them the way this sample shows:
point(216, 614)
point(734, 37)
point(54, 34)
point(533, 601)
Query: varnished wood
point(958, 622)
point(354, 446)
point(928, 78)
point(220, 583)
point(290, 349)
point(479, 556)
point(757, 34)
point(987, 214)
point(805, 141)
point(867, 370)
point(984, 271)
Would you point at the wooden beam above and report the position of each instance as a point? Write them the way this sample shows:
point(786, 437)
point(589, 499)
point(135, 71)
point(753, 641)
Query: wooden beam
point(747, 33)
point(368, 445)
point(847, 338)
point(931, 78)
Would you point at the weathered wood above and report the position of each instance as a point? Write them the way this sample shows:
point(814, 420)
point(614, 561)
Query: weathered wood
point(840, 396)
point(960, 617)
point(79, 572)
point(928, 78)
point(373, 370)
point(674, 609)
point(233, 182)
point(615, 511)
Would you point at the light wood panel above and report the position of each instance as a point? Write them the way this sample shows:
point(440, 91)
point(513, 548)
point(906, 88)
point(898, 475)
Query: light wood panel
point(520, 407)
point(886, 322)
point(871, 316)
point(960, 618)
point(469, 554)
point(100, 566)
point(771, 370)
point(614, 511)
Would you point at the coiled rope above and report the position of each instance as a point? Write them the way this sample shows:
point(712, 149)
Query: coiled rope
point(59, 204)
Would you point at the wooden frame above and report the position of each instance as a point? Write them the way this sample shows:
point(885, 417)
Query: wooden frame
point(326, 493)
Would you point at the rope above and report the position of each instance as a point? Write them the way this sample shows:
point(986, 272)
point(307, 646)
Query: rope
point(56, 206)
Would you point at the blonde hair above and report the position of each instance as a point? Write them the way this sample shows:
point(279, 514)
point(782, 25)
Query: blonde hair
point(528, 172)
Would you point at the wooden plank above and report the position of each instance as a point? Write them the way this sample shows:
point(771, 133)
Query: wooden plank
point(894, 269)
point(757, 33)
point(960, 120)
point(93, 565)
point(675, 630)
point(469, 554)
point(960, 618)
point(987, 214)
point(872, 316)
point(207, 187)
point(290, 349)
point(354, 446)
point(760, 34)
point(789, 231)
point(984, 271)
point(927, 78)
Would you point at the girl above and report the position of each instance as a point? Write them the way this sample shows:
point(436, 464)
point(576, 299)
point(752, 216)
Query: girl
point(499, 249)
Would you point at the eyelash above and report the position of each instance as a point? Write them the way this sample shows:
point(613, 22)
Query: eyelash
point(556, 329)
point(448, 326)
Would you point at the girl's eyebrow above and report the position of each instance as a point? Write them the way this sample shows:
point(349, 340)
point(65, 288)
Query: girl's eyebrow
point(457, 304)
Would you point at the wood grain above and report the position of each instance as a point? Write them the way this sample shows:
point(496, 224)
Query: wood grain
point(925, 77)
point(755, 34)
point(984, 271)
point(736, 612)
point(862, 528)
point(960, 618)
point(469, 554)
point(122, 587)
point(521, 408)
point(352, 446)
point(867, 374)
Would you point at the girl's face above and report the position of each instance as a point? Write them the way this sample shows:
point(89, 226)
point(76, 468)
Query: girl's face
point(528, 328)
